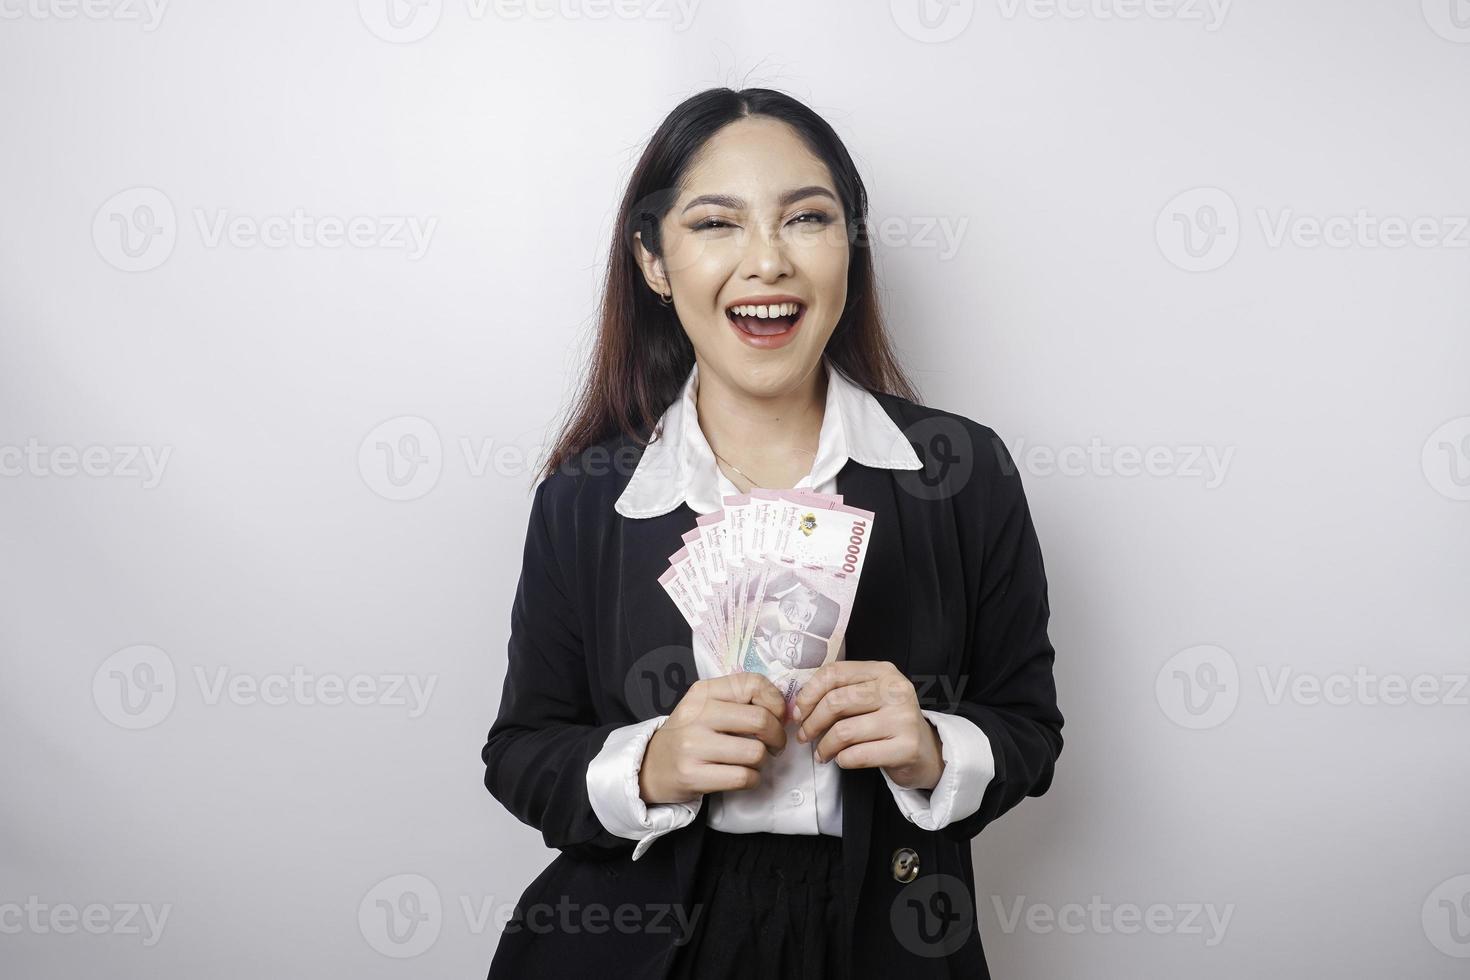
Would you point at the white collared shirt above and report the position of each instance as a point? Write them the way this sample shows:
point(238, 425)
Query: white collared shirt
point(797, 794)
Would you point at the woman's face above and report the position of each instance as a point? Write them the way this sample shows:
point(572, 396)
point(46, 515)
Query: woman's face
point(757, 216)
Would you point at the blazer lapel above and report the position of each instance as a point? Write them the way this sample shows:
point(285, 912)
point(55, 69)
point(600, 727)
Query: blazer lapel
point(660, 658)
point(660, 661)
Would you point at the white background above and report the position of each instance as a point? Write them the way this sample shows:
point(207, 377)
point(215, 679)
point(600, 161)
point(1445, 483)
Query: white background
point(1130, 194)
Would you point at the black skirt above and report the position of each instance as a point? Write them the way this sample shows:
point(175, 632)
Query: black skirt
point(769, 906)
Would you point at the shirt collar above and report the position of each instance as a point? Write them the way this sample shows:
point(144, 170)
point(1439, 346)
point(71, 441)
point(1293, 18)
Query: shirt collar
point(679, 466)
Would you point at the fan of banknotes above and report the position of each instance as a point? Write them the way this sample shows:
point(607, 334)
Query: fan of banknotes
point(767, 583)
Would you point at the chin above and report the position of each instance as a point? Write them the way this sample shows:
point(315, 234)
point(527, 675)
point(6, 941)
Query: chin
point(774, 372)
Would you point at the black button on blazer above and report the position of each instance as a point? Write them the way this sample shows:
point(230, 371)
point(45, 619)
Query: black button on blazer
point(953, 592)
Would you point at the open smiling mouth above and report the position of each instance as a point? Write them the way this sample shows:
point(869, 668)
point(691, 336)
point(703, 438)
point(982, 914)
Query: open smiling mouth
point(773, 320)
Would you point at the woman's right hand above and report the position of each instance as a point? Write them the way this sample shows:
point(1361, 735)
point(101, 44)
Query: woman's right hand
point(716, 739)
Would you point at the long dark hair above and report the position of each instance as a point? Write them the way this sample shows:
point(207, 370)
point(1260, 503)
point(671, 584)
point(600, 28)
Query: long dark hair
point(642, 356)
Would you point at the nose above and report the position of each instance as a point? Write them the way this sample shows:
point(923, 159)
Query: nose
point(765, 256)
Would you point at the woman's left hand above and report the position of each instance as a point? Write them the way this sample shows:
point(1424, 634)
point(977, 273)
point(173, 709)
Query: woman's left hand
point(864, 714)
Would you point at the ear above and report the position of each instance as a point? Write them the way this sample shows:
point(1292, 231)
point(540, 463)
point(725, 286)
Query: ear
point(652, 266)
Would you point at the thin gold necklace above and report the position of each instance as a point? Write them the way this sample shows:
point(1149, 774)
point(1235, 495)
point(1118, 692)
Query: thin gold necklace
point(753, 483)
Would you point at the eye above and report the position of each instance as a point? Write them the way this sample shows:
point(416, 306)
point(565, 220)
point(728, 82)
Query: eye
point(712, 223)
point(812, 218)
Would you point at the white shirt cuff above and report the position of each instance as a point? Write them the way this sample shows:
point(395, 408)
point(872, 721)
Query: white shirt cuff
point(969, 766)
point(612, 788)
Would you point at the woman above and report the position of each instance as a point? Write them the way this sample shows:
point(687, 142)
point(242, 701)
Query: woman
point(703, 833)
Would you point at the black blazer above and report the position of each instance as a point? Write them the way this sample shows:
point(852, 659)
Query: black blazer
point(953, 592)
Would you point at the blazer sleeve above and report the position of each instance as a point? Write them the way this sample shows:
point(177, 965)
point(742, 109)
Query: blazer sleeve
point(547, 731)
point(1010, 691)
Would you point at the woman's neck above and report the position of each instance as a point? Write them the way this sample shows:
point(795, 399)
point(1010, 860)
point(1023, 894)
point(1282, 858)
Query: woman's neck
point(773, 439)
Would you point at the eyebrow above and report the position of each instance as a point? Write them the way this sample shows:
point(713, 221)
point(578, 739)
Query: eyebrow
point(738, 204)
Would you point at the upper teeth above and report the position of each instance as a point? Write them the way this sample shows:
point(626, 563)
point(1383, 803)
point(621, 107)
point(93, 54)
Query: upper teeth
point(766, 312)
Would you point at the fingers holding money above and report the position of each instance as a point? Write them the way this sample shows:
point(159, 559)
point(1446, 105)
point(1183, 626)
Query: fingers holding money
point(747, 687)
point(716, 739)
